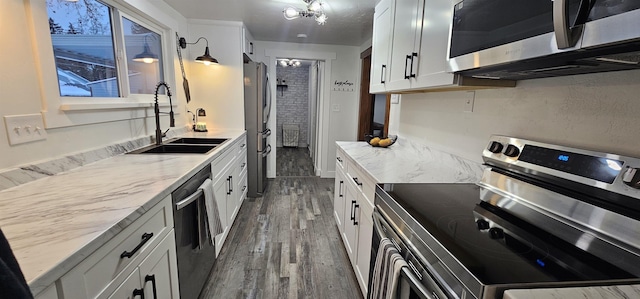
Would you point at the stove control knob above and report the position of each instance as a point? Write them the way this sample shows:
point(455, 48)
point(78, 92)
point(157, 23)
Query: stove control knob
point(496, 233)
point(482, 224)
point(511, 151)
point(495, 147)
point(631, 177)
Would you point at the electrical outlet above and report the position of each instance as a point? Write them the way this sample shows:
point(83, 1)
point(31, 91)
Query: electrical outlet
point(468, 102)
point(24, 128)
point(395, 98)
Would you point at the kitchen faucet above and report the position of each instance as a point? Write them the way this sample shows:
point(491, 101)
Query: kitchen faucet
point(172, 120)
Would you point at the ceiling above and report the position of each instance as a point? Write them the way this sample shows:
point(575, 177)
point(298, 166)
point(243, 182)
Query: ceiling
point(350, 22)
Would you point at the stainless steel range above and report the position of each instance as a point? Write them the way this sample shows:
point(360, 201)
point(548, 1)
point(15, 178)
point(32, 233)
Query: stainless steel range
point(542, 216)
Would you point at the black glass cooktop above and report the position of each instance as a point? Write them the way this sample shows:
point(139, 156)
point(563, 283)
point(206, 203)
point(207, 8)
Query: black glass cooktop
point(495, 246)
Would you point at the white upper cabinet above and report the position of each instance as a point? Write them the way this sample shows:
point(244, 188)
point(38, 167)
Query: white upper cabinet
point(381, 46)
point(247, 43)
point(407, 27)
point(410, 54)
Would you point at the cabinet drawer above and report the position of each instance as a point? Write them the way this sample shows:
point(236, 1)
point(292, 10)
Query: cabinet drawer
point(222, 162)
point(365, 183)
point(341, 160)
point(100, 272)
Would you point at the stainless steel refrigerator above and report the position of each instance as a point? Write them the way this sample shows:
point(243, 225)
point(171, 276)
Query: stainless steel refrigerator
point(257, 107)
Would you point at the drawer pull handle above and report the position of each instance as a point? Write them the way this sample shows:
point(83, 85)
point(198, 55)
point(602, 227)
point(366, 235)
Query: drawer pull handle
point(353, 214)
point(340, 189)
point(138, 292)
point(244, 188)
point(243, 165)
point(357, 182)
point(152, 279)
point(339, 160)
point(145, 238)
point(355, 222)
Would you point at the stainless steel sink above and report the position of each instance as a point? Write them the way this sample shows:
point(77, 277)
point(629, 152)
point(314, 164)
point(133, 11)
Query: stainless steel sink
point(215, 141)
point(176, 149)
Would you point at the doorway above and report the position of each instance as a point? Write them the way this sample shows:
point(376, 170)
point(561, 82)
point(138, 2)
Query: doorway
point(373, 118)
point(296, 116)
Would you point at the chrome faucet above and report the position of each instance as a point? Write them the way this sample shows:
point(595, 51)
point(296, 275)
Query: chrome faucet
point(172, 120)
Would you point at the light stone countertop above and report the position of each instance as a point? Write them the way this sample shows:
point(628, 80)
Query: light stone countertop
point(409, 162)
point(53, 223)
point(606, 292)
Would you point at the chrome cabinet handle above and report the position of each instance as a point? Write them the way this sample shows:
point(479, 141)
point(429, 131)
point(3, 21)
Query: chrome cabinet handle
point(382, 73)
point(340, 190)
point(339, 159)
point(152, 278)
point(243, 165)
point(145, 238)
point(251, 47)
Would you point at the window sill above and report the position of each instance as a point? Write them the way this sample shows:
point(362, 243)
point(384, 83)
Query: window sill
point(108, 106)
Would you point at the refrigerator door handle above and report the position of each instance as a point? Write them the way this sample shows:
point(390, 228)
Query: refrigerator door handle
point(267, 151)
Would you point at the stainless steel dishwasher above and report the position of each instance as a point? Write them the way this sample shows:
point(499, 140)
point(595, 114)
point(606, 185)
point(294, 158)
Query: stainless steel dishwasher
point(195, 252)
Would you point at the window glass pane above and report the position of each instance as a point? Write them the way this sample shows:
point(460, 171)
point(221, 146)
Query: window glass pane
point(144, 57)
point(82, 38)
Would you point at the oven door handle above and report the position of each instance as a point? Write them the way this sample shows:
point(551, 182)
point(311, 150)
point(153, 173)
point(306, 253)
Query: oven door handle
point(422, 292)
point(378, 227)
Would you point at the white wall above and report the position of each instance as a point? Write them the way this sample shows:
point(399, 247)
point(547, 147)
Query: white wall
point(341, 124)
point(217, 88)
point(21, 92)
point(597, 111)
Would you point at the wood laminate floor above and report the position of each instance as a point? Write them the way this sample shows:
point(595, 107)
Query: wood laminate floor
point(285, 245)
point(293, 161)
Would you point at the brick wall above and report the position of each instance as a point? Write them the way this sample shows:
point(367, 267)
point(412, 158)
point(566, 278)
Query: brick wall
point(293, 102)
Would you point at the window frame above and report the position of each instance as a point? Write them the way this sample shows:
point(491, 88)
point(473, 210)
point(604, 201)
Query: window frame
point(63, 111)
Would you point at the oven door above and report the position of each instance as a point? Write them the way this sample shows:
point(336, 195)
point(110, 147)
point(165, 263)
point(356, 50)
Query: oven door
point(415, 281)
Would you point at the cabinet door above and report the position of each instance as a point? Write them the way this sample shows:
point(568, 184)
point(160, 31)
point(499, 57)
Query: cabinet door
point(339, 198)
point(365, 233)
point(432, 60)
point(127, 288)
point(350, 234)
point(407, 27)
point(159, 271)
point(381, 46)
point(220, 188)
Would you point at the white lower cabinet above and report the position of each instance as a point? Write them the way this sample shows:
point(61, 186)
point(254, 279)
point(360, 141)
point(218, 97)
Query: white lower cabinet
point(229, 186)
point(49, 293)
point(159, 271)
point(339, 198)
point(353, 209)
point(130, 288)
point(118, 268)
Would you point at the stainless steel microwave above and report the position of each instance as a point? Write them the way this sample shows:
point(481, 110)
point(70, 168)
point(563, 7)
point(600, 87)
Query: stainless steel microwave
point(524, 39)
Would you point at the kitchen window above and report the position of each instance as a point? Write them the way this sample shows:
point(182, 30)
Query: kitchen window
point(100, 61)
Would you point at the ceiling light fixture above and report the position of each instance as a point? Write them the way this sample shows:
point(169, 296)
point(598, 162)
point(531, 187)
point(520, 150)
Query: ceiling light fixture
point(206, 57)
point(289, 62)
point(314, 10)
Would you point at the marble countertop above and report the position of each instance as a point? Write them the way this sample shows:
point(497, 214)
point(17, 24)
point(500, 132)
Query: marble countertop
point(605, 292)
point(55, 222)
point(408, 162)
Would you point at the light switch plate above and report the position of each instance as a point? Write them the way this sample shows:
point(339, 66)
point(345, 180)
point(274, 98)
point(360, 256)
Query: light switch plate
point(24, 128)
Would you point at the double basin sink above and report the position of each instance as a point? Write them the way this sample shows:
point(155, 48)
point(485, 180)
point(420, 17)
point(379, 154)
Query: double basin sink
point(183, 146)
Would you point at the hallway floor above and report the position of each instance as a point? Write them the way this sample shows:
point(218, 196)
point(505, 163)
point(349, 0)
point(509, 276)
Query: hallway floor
point(285, 244)
point(293, 161)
